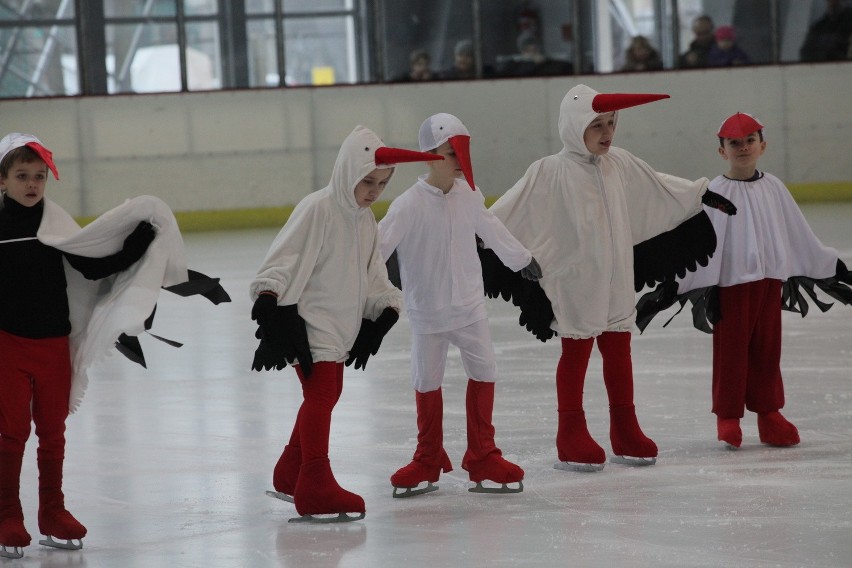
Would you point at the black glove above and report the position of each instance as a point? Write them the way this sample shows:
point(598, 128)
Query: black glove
point(283, 336)
point(270, 353)
point(532, 271)
point(138, 241)
point(266, 357)
point(713, 199)
point(370, 337)
point(296, 343)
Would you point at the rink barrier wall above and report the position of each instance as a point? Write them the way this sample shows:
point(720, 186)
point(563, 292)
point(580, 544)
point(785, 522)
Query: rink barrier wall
point(225, 158)
point(198, 221)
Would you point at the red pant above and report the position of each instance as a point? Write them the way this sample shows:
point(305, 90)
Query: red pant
point(747, 350)
point(34, 374)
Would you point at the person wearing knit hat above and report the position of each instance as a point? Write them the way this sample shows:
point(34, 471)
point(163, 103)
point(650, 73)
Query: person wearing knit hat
point(767, 254)
point(603, 224)
point(726, 52)
point(431, 230)
point(322, 301)
point(63, 310)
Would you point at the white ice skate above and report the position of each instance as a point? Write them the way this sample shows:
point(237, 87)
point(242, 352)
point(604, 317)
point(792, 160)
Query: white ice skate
point(15, 553)
point(412, 491)
point(633, 460)
point(326, 519)
point(280, 495)
point(504, 488)
point(69, 544)
point(578, 466)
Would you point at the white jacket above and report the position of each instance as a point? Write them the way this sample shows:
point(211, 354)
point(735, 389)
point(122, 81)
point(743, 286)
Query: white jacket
point(326, 258)
point(434, 235)
point(580, 215)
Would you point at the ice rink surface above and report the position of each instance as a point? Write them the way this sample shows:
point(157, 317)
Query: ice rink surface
point(167, 467)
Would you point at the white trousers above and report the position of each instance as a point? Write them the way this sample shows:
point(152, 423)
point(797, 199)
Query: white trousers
point(429, 355)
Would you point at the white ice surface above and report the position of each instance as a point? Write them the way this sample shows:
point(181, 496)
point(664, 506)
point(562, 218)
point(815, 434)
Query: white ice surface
point(167, 467)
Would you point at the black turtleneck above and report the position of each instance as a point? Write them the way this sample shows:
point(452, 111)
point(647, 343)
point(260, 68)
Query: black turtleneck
point(33, 296)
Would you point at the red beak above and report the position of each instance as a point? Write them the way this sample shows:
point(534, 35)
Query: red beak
point(387, 156)
point(461, 146)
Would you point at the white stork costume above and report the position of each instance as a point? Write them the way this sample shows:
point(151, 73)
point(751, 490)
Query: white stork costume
point(767, 254)
point(325, 266)
point(55, 324)
point(433, 231)
point(601, 224)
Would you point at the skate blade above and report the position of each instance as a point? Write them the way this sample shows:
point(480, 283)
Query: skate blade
point(578, 466)
point(631, 460)
point(318, 520)
point(16, 553)
point(730, 447)
point(504, 488)
point(412, 491)
point(69, 544)
point(282, 496)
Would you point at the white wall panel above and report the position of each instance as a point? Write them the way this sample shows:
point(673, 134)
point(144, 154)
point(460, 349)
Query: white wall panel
point(261, 148)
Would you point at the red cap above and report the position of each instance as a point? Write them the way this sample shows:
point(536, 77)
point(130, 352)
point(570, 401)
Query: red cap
point(617, 101)
point(739, 125)
point(46, 155)
point(387, 156)
point(461, 146)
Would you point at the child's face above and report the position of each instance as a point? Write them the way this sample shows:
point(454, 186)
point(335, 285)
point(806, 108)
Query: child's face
point(599, 134)
point(445, 171)
point(371, 187)
point(743, 153)
point(26, 182)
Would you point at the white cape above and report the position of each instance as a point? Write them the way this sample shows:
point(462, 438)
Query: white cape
point(102, 310)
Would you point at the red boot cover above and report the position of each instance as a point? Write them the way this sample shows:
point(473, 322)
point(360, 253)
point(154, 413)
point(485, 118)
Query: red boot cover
point(430, 458)
point(729, 431)
point(483, 460)
point(320, 392)
point(573, 441)
point(53, 519)
point(571, 373)
point(286, 471)
point(625, 435)
point(776, 430)
point(617, 367)
point(12, 530)
point(317, 492)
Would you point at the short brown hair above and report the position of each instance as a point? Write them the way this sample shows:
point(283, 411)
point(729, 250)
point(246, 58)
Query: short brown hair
point(23, 154)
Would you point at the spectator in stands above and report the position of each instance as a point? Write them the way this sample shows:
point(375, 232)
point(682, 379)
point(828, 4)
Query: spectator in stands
point(419, 67)
point(696, 55)
point(641, 56)
point(531, 61)
point(828, 37)
point(726, 52)
point(463, 62)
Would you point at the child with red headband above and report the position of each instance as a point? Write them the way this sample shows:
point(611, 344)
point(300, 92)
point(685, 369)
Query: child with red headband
point(56, 320)
point(766, 255)
point(433, 228)
point(601, 222)
point(322, 299)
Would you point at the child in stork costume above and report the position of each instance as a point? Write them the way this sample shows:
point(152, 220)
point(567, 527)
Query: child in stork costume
point(581, 212)
point(56, 320)
point(432, 227)
point(766, 255)
point(322, 297)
